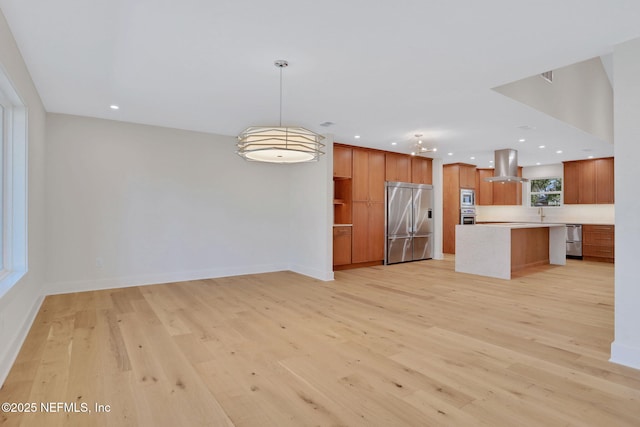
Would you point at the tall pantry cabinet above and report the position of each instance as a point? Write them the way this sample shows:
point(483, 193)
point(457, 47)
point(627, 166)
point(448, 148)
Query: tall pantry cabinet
point(455, 177)
point(368, 206)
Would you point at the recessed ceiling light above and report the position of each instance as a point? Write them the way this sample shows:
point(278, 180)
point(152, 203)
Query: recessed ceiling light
point(450, 154)
point(490, 161)
point(538, 163)
point(357, 137)
point(114, 107)
point(522, 140)
point(413, 153)
point(591, 157)
point(394, 143)
point(472, 158)
point(559, 152)
point(540, 146)
point(434, 150)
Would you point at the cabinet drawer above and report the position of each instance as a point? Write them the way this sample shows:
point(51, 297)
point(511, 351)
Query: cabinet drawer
point(341, 231)
point(599, 228)
point(599, 239)
point(598, 251)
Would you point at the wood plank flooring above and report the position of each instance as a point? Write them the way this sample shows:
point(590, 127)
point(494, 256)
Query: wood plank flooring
point(405, 345)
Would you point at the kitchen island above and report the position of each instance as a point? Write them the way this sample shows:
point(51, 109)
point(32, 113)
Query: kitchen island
point(498, 250)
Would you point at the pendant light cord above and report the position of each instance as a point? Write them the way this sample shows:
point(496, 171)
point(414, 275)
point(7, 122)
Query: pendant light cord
point(280, 97)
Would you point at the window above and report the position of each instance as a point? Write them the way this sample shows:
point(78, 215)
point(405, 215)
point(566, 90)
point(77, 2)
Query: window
point(546, 192)
point(13, 186)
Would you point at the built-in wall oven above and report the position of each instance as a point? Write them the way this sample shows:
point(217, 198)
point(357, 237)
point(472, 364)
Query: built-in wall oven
point(467, 216)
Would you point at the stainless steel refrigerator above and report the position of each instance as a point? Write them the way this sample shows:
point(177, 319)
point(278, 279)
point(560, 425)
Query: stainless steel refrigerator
point(409, 222)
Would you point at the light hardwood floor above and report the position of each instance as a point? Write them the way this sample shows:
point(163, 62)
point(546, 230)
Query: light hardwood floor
point(406, 345)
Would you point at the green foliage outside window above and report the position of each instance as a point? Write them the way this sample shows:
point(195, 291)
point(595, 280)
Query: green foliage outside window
point(546, 192)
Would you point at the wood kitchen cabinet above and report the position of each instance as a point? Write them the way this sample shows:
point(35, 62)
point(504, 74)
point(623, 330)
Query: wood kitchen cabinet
point(421, 170)
point(570, 183)
point(604, 181)
point(598, 242)
point(589, 181)
point(368, 206)
point(397, 167)
point(368, 232)
point(586, 182)
point(455, 176)
point(368, 175)
point(497, 193)
point(484, 189)
point(341, 245)
point(342, 159)
point(508, 193)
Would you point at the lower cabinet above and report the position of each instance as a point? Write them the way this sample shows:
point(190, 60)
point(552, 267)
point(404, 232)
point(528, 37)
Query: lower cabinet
point(598, 242)
point(341, 245)
point(368, 232)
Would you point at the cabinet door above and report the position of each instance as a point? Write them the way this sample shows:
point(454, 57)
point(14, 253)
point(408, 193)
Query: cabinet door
point(467, 176)
point(570, 183)
point(421, 170)
point(376, 176)
point(587, 182)
point(360, 232)
point(398, 167)
point(360, 181)
point(341, 245)
point(376, 231)
point(484, 189)
point(368, 232)
point(604, 181)
point(500, 191)
point(342, 159)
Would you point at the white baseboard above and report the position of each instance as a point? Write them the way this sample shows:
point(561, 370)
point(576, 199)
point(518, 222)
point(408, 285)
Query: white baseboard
point(625, 355)
point(10, 353)
point(325, 276)
point(154, 279)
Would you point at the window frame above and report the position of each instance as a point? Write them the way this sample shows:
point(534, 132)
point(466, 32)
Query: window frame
point(559, 193)
point(13, 182)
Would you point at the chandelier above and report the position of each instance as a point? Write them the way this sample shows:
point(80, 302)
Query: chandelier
point(419, 147)
point(280, 144)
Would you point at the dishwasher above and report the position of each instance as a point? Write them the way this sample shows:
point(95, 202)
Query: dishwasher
point(574, 241)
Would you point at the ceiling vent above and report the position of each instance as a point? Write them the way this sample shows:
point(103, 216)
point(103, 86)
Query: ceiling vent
point(548, 76)
point(506, 167)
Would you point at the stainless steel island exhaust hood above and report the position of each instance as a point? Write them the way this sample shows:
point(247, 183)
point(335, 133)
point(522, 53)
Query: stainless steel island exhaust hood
point(506, 167)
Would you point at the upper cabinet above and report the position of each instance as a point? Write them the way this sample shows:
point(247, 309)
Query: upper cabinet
point(397, 167)
point(467, 176)
point(342, 157)
point(484, 189)
point(604, 181)
point(421, 170)
point(589, 181)
point(497, 193)
point(368, 175)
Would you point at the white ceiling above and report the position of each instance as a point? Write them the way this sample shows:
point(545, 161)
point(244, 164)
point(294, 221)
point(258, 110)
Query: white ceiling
point(384, 70)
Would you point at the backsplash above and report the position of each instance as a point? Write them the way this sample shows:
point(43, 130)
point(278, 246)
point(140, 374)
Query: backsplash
point(567, 214)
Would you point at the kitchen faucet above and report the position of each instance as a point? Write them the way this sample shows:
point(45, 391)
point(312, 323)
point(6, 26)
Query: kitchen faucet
point(541, 213)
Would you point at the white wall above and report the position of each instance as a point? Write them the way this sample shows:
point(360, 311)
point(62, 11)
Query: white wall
point(581, 95)
point(131, 204)
point(20, 304)
point(626, 67)
point(568, 214)
point(310, 214)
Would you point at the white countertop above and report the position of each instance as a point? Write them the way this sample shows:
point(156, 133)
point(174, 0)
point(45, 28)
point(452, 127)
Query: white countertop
point(485, 249)
point(520, 225)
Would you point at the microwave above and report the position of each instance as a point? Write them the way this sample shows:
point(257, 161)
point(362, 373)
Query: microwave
point(467, 198)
